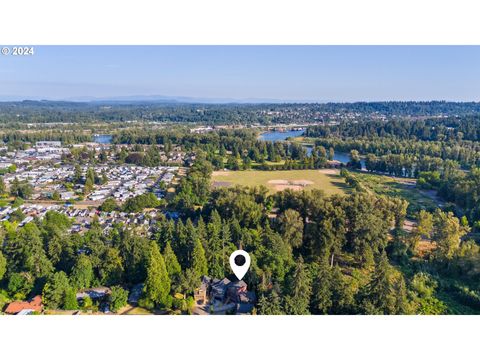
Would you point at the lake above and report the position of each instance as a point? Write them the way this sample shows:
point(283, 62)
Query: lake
point(283, 135)
point(103, 139)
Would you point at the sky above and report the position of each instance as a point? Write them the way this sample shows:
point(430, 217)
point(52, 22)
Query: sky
point(284, 73)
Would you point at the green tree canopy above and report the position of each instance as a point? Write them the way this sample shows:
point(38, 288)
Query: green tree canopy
point(55, 290)
point(157, 284)
point(118, 298)
point(82, 273)
point(173, 267)
point(297, 302)
point(447, 233)
point(199, 260)
point(3, 265)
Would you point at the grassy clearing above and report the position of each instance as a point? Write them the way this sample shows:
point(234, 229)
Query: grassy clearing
point(135, 310)
point(398, 187)
point(327, 180)
point(257, 165)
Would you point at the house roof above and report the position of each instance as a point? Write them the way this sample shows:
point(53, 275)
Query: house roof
point(25, 312)
point(220, 286)
point(94, 293)
point(239, 284)
point(17, 306)
point(244, 308)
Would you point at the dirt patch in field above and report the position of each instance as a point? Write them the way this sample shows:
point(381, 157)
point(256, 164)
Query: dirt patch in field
point(301, 182)
point(329, 171)
point(296, 185)
point(278, 182)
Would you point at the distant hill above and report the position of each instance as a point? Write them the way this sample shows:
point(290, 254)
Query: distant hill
point(152, 99)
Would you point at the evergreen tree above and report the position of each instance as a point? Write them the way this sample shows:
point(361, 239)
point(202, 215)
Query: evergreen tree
point(55, 290)
point(88, 186)
point(157, 283)
point(214, 248)
point(202, 233)
point(77, 175)
point(165, 232)
point(191, 239)
point(298, 300)
point(385, 293)
point(226, 244)
point(270, 304)
point(276, 255)
point(199, 261)
point(322, 289)
point(172, 265)
point(3, 265)
point(91, 176)
point(180, 244)
point(399, 211)
point(343, 293)
point(134, 251)
point(189, 281)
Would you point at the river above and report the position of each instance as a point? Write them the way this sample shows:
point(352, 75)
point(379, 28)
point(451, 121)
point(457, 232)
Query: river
point(283, 135)
point(103, 139)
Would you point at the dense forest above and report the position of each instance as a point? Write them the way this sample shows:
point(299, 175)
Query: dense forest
point(87, 112)
point(442, 153)
point(433, 129)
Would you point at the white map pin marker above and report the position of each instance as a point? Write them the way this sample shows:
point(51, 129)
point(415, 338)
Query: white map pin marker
point(240, 270)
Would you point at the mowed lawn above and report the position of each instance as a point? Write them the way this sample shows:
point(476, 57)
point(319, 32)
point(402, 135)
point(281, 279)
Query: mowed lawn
point(327, 180)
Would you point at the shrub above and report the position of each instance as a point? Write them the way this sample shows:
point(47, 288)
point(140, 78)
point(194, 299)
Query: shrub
point(118, 298)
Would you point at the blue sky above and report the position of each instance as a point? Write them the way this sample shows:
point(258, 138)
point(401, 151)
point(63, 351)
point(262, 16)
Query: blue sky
point(290, 73)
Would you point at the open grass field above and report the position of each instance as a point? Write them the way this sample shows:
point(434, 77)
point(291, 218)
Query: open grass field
point(399, 187)
point(327, 180)
point(134, 310)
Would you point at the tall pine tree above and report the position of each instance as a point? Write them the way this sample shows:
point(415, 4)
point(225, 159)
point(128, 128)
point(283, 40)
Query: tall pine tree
point(173, 267)
point(298, 300)
point(199, 260)
point(157, 284)
point(214, 245)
